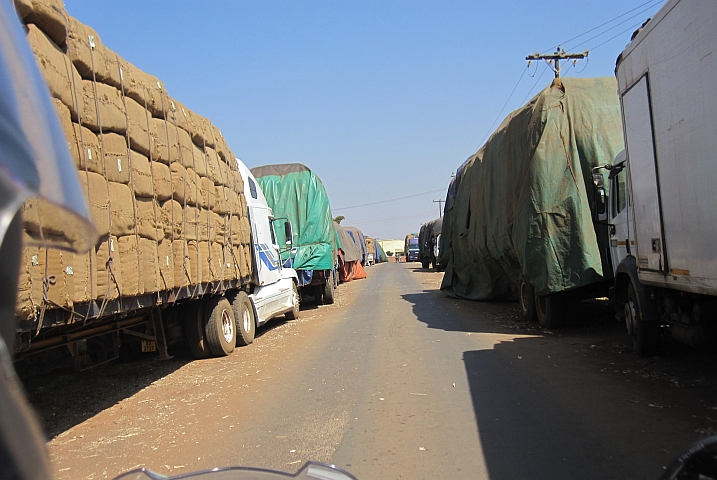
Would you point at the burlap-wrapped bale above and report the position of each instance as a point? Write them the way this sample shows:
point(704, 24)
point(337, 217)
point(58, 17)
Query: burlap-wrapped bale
point(63, 114)
point(109, 273)
point(151, 280)
point(57, 69)
point(61, 281)
point(150, 223)
point(179, 182)
point(231, 265)
point(223, 199)
point(235, 227)
point(166, 264)
point(49, 15)
point(121, 209)
point(221, 145)
point(85, 277)
point(199, 129)
point(191, 223)
point(30, 284)
point(85, 150)
point(96, 191)
point(173, 219)
point(204, 222)
point(214, 171)
point(218, 230)
point(183, 148)
point(178, 115)
point(104, 61)
point(194, 262)
point(207, 193)
point(162, 181)
point(141, 175)
point(193, 183)
point(116, 161)
point(129, 265)
point(181, 263)
point(217, 262)
point(205, 254)
point(200, 161)
point(145, 89)
point(139, 127)
point(162, 136)
point(102, 108)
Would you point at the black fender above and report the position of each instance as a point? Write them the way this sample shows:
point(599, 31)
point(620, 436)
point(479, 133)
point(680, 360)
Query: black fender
point(626, 274)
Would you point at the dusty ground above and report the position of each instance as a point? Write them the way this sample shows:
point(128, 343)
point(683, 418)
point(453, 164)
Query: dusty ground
point(158, 410)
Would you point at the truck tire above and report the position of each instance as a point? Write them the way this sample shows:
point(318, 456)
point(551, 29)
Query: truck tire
point(194, 330)
point(293, 314)
point(645, 334)
point(244, 317)
point(424, 263)
point(221, 328)
point(527, 300)
point(550, 310)
point(328, 292)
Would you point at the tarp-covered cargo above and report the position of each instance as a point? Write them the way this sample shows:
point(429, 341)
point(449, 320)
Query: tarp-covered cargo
point(349, 256)
point(428, 240)
point(360, 240)
point(294, 191)
point(521, 204)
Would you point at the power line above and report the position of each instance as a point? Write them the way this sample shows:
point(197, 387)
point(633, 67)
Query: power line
point(501, 110)
point(606, 23)
point(371, 222)
point(386, 201)
point(614, 26)
point(545, 68)
point(614, 37)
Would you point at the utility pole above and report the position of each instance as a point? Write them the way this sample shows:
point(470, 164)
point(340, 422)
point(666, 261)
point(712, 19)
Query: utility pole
point(440, 207)
point(556, 57)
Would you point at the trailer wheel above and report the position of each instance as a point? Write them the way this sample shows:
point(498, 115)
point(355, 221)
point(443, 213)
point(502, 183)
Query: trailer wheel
point(245, 318)
point(645, 334)
point(328, 292)
point(550, 310)
point(194, 330)
point(527, 301)
point(221, 328)
point(293, 314)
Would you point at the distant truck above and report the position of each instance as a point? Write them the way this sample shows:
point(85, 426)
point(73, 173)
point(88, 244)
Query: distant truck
point(410, 247)
point(429, 239)
point(295, 192)
point(662, 208)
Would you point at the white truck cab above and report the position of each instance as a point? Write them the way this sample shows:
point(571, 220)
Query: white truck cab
point(274, 286)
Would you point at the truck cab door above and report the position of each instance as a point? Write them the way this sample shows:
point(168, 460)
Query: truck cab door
point(643, 177)
point(266, 253)
point(621, 244)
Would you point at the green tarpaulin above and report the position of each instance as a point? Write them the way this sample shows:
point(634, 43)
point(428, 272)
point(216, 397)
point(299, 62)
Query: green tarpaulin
point(521, 204)
point(294, 191)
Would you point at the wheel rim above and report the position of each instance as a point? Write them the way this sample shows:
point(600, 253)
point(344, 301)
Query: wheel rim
point(246, 320)
point(524, 296)
point(630, 316)
point(297, 300)
point(227, 326)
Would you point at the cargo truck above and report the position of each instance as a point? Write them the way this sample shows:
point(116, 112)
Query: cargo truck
point(410, 247)
point(295, 192)
point(519, 219)
point(187, 249)
point(662, 213)
point(429, 240)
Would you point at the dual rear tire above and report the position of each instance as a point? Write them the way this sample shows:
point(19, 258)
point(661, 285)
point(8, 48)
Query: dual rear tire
point(215, 326)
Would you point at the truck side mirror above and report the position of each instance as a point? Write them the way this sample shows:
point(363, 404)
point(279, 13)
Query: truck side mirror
point(599, 189)
point(288, 233)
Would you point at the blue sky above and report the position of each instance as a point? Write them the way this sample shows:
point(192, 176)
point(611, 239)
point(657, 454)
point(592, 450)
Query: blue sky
point(382, 99)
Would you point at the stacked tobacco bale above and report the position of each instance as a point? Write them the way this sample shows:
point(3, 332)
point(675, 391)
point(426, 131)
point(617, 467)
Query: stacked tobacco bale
point(162, 185)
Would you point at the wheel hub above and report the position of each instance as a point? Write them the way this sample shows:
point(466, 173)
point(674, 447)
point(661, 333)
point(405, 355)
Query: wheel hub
point(227, 326)
point(246, 318)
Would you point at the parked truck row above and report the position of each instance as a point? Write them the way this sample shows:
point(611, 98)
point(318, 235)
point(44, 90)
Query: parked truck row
point(533, 214)
point(194, 248)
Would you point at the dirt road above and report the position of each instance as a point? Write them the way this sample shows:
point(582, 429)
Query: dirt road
point(395, 380)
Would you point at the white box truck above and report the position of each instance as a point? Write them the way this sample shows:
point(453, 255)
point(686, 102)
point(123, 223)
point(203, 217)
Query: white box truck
point(662, 207)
